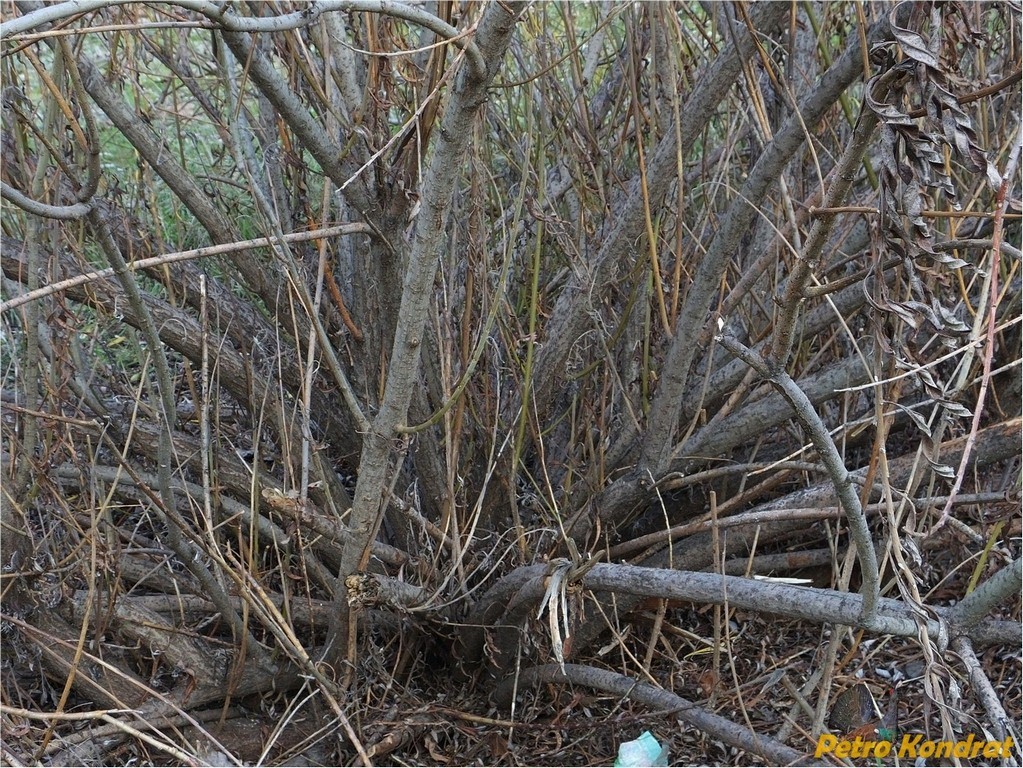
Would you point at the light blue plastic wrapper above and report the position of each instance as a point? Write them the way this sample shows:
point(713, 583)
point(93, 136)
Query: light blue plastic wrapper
point(643, 752)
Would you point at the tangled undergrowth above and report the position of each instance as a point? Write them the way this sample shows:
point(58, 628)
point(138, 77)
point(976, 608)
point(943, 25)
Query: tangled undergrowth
point(465, 383)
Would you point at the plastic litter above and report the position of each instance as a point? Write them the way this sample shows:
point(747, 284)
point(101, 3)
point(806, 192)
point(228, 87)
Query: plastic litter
point(642, 752)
